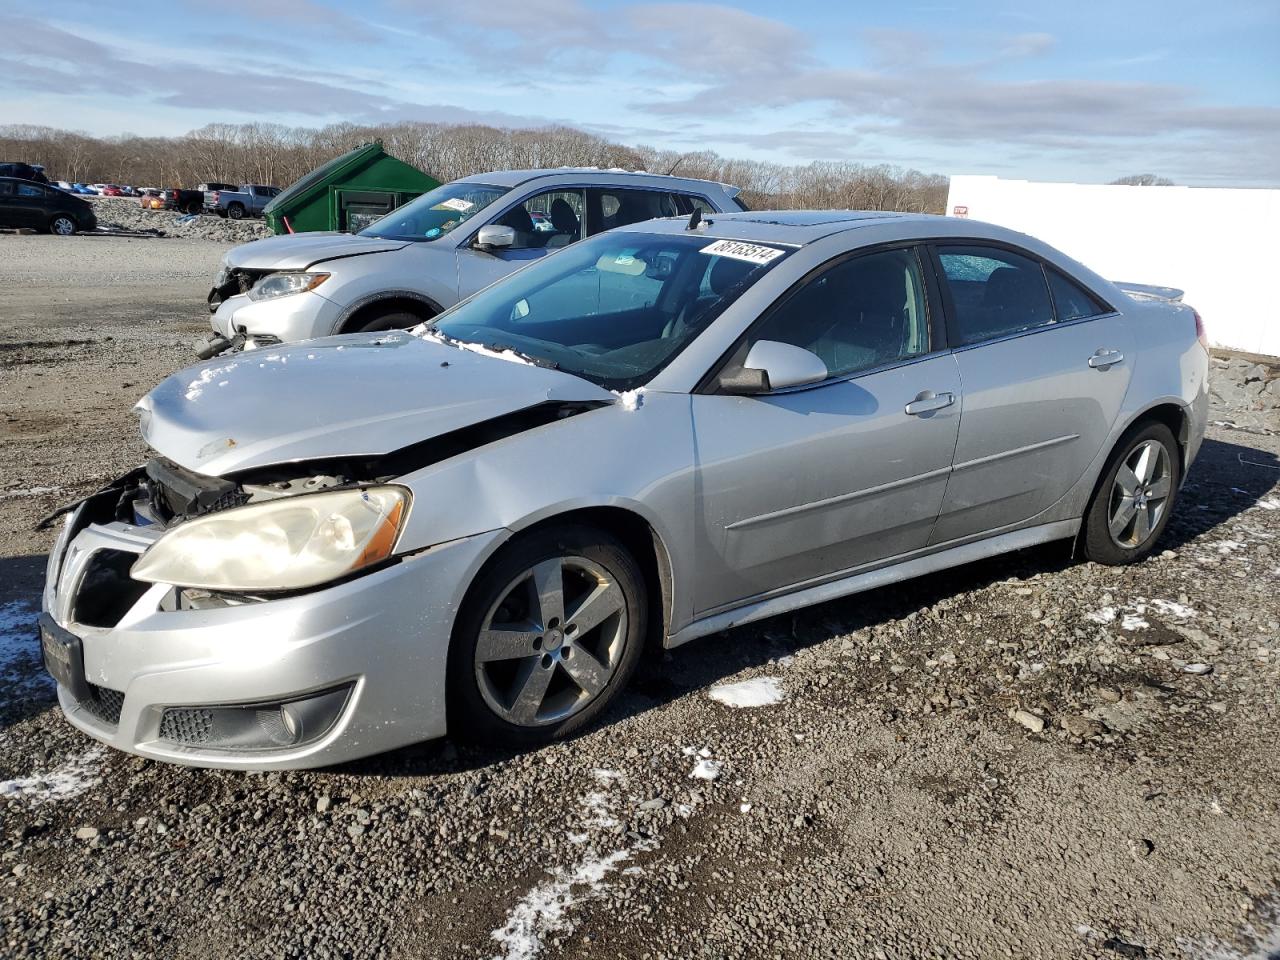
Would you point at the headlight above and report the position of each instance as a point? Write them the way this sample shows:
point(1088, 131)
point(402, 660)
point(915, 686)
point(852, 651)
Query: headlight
point(284, 544)
point(283, 284)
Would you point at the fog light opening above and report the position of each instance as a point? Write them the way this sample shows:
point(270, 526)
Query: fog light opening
point(255, 726)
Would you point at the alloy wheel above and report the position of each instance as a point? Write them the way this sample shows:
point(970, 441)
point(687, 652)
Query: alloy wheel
point(552, 642)
point(1140, 494)
point(64, 226)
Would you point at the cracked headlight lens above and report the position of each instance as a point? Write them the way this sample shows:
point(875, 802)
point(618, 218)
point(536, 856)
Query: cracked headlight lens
point(284, 544)
point(284, 284)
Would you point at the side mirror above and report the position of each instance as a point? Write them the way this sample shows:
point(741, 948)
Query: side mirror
point(494, 235)
point(771, 365)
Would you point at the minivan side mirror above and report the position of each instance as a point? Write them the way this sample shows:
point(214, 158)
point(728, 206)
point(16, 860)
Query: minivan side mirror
point(772, 365)
point(495, 235)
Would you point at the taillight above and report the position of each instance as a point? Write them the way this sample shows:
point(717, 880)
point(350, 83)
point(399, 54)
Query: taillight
point(1200, 334)
point(215, 196)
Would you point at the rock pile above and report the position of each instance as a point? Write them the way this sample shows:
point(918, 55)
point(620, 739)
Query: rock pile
point(124, 213)
point(1247, 390)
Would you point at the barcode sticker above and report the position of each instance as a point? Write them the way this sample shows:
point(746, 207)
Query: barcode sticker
point(738, 250)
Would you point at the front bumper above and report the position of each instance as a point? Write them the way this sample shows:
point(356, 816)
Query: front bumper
point(384, 636)
point(302, 316)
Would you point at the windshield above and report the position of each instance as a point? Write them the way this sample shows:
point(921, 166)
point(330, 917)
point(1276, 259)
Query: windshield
point(614, 309)
point(434, 214)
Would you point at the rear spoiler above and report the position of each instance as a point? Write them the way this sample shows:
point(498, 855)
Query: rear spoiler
point(1143, 291)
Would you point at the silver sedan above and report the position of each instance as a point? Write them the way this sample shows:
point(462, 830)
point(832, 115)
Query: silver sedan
point(666, 430)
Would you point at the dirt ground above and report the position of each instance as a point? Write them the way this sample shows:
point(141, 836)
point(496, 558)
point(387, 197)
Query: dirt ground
point(893, 802)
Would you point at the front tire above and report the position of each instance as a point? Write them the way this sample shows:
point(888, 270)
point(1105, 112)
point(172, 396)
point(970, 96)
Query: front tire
point(550, 633)
point(390, 319)
point(1132, 504)
point(62, 225)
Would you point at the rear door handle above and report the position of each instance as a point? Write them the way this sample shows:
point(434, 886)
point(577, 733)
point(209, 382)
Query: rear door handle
point(1104, 358)
point(927, 402)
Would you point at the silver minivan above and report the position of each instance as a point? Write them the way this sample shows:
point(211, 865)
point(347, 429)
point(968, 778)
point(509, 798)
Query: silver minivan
point(434, 251)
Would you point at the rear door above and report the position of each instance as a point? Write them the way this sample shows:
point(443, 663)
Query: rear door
point(802, 485)
point(31, 205)
point(10, 213)
point(1045, 366)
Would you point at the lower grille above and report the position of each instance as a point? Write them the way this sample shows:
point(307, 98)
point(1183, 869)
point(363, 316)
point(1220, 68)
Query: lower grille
point(104, 703)
point(186, 725)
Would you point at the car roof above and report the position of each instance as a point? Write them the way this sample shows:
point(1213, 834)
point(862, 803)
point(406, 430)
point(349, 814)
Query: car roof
point(794, 227)
point(514, 178)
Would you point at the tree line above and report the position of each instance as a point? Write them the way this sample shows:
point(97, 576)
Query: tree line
point(278, 155)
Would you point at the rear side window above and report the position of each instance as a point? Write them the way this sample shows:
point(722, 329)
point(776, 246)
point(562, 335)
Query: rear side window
point(6, 188)
point(994, 293)
point(30, 190)
point(618, 207)
point(1071, 301)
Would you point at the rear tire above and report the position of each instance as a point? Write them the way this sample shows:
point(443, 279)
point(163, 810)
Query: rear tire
point(526, 670)
point(1135, 497)
point(236, 211)
point(63, 225)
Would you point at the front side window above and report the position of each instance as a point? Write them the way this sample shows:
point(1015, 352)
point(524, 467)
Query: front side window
point(994, 293)
point(614, 309)
point(551, 219)
point(860, 313)
point(436, 213)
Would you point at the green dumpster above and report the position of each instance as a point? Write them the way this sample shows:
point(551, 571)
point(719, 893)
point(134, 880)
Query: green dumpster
point(348, 193)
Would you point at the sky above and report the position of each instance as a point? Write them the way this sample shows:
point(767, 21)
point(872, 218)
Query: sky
point(1036, 89)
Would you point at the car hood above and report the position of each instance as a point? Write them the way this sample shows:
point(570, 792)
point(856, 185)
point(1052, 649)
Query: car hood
point(363, 394)
point(297, 251)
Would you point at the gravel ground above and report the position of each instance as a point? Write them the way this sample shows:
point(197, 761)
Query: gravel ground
point(1029, 757)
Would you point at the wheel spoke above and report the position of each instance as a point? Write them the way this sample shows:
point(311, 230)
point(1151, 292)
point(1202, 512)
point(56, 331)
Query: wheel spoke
point(1146, 465)
point(1159, 488)
point(1126, 480)
point(1121, 516)
point(1142, 526)
point(496, 644)
point(548, 587)
point(587, 671)
point(534, 680)
point(596, 607)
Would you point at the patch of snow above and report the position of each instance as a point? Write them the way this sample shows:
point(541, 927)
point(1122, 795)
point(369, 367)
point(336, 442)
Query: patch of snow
point(509, 355)
point(61, 783)
point(631, 399)
point(1228, 546)
point(1181, 611)
point(759, 692)
point(1104, 615)
point(705, 770)
point(1269, 503)
point(21, 664)
point(1133, 621)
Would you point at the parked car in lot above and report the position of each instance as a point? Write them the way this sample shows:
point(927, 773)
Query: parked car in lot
point(150, 200)
point(23, 171)
point(192, 201)
point(432, 252)
point(352, 544)
point(25, 203)
point(247, 201)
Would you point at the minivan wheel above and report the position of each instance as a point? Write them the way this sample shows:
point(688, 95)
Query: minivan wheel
point(1135, 499)
point(62, 225)
point(550, 632)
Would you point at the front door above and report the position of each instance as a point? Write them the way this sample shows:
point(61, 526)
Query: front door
point(801, 485)
point(543, 223)
point(1040, 397)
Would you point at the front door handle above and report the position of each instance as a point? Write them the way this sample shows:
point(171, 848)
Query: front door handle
point(927, 402)
point(1104, 358)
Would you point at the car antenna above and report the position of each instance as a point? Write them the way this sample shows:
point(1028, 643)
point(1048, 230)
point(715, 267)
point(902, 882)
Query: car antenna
point(695, 218)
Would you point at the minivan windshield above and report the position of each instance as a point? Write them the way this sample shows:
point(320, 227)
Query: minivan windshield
point(614, 309)
point(434, 214)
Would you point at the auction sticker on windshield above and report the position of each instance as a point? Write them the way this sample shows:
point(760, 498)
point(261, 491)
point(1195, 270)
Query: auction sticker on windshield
point(737, 250)
point(454, 203)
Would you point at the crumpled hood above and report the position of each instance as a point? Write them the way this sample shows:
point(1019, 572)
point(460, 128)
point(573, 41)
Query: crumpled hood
point(297, 251)
point(363, 394)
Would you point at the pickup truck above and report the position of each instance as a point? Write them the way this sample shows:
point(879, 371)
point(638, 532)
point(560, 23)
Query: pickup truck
point(191, 201)
point(249, 200)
